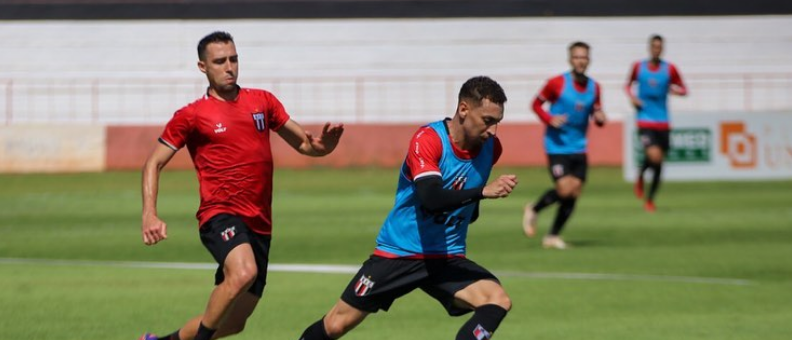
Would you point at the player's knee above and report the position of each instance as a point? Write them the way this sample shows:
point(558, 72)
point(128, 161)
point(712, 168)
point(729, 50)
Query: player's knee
point(242, 278)
point(335, 326)
point(503, 301)
point(654, 155)
point(569, 191)
point(563, 191)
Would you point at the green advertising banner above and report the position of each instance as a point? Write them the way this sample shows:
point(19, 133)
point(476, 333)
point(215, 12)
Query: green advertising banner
point(688, 145)
point(719, 146)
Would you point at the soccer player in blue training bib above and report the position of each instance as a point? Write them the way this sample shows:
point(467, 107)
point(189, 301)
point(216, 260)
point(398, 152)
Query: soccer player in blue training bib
point(422, 242)
point(656, 78)
point(575, 99)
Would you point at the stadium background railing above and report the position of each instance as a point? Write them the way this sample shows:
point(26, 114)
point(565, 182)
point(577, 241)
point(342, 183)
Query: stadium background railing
point(354, 99)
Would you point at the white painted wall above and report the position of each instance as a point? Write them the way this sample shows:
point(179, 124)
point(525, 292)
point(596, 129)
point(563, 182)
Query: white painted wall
point(83, 70)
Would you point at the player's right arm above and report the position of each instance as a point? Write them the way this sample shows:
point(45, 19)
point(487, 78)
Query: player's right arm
point(152, 228)
point(173, 138)
point(549, 93)
point(628, 88)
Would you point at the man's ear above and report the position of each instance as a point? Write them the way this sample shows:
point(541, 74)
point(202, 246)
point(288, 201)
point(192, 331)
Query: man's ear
point(202, 66)
point(463, 109)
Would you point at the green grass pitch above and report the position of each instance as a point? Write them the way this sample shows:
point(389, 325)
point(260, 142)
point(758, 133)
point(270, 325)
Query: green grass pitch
point(715, 261)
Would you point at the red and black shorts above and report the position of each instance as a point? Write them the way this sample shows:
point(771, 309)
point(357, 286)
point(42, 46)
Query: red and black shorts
point(382, 280)
point(222, 233)
point(561, 165)
point(650, 137)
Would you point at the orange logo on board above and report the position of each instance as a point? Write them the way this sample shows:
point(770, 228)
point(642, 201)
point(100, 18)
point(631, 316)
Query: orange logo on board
point(738, 145)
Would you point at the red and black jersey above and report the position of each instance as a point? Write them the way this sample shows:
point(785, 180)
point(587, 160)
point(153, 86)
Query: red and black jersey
point(552, 91)
point(426, 149)
point(229, 143)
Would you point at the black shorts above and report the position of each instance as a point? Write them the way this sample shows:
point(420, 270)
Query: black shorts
point(649, 137)
point(381, 281)
point(561, 165)
point(222, 233)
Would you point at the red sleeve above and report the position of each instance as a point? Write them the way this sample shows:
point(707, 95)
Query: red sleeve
point(276, 113)
point(423, 157)
point(676, 78)
point(179, 128)
point(550, 93)
point(633, 77)
point(497, 151)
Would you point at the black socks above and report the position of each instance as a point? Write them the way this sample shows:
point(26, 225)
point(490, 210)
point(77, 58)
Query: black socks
point(482, 324)
point(316, 332)
point(549, 197)
point(657, 170)
point(204, 333)
point(562, 215)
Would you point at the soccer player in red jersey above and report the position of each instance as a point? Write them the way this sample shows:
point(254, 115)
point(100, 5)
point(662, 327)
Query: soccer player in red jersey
point(227, 133)
point(575, 100)
point(655, 79)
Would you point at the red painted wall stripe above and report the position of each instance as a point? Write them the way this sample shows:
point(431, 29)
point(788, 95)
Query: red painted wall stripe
point(368, 145)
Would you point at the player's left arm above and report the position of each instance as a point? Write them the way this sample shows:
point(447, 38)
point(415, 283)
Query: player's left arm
point(306, 143)
point(677, 86)
point(598, 114)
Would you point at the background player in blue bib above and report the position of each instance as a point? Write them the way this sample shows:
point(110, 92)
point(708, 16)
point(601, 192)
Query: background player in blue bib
point(422, 242)
point(655, 79)
point(575, 99)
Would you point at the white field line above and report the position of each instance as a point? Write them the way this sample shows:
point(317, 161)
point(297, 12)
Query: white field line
point(352, 269)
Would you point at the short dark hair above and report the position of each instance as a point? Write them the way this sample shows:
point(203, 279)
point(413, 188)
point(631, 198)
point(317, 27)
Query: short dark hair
point(655, 37)
point(481, 87)
point(579, 44)
point(214, 37)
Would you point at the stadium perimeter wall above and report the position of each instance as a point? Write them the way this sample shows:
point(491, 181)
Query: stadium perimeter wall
point(76, 148)
point(367, 145)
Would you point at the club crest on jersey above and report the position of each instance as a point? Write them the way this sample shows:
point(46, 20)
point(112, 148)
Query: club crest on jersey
point(579, 106)
point(653, 82)
point(364, 285)
point(258, 118)
point(481, 334)
point(459, 183)
point(220, 128)
point(228, 234)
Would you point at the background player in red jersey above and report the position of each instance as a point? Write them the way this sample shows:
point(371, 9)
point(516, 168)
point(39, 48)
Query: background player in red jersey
point(575, 100)
point(227, 133)
point(655, 79)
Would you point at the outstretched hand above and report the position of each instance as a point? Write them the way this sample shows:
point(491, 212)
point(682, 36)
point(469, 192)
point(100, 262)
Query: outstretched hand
point(501, 187)
point(328, 140)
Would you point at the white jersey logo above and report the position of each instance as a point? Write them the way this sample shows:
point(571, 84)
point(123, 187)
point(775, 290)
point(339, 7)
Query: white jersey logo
point(220, 128)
